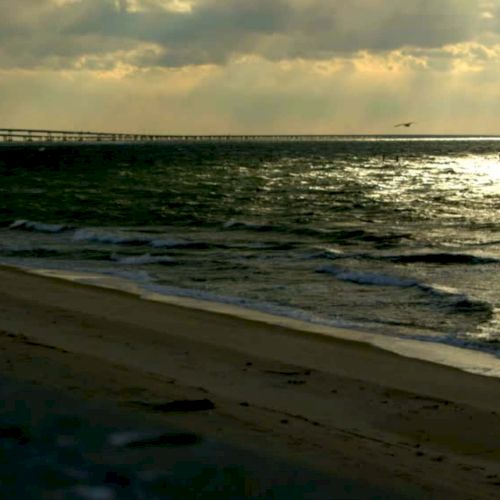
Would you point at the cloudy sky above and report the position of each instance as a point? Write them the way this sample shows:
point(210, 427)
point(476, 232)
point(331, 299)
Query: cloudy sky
point(251, 66)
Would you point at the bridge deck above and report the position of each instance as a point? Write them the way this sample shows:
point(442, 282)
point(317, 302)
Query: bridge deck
point(41, 135)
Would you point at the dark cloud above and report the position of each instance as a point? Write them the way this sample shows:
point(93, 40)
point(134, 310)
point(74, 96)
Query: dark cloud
point(51, 33)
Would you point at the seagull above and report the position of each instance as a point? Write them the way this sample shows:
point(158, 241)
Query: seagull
point(405, 124)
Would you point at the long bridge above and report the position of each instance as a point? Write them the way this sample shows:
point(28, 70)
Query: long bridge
point(22, 135)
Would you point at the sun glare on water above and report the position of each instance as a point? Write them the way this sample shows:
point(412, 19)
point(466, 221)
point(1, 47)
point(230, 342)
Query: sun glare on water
point(481, 172)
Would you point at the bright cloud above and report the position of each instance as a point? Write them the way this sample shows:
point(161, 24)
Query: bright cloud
point(251, 65)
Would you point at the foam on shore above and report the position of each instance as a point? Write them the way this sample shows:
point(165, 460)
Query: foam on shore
point(477, 362)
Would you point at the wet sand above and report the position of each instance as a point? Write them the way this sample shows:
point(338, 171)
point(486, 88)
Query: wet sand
point(342, 408)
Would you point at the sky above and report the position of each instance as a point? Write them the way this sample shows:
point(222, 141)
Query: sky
point(251, 66)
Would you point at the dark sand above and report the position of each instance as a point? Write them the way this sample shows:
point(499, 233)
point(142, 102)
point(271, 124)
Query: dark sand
point(337, 409)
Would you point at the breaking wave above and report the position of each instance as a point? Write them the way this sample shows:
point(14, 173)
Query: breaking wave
point(451, 297)
point(364, 278)
point(108, 237)
point(441, 258)
point(28, 225)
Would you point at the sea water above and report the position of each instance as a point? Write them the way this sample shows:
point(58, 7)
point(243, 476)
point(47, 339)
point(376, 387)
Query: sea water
point(395, 236)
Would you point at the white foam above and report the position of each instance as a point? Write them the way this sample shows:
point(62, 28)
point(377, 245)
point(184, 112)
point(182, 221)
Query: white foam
point(327, 253)
point(167, 243)
point(363, 278)
point(490, 330)
point(445, 291)
point(452, 295)
point(125, 438)
point(205, 297)
point(434, 350)
point(477, 362)
point(38, 226)
point(107, 237)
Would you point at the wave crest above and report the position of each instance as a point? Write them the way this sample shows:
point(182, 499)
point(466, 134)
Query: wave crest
point(449, 297)
point(113, 238)
point(363, 278)
point(28, 225)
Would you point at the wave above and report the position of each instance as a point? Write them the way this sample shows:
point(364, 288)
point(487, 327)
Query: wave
point(334, 235)
point(328, 253)
point(346, 235)
point(450, 297)
point(247, 303)
point(143, 259)
point(441, 258)
point(28, 225)
point(59, 253)
point(113, 238)
point(122, 238)
point(489, 331)
point(239, 225)
point(171, 243)
point(483, 243)
point(363, 278)
point(203, 245)
point(263, 245)
point(460, 301)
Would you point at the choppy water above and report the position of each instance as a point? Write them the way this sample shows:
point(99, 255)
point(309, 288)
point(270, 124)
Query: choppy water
point(400, 236)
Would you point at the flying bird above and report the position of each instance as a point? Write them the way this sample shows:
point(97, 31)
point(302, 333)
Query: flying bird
point(405, 124)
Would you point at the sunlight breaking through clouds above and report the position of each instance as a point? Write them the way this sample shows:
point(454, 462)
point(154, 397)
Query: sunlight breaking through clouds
point(155, 5)
point(281, 65)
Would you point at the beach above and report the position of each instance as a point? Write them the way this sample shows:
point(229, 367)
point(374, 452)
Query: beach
point(249, 250)
point(340, 407)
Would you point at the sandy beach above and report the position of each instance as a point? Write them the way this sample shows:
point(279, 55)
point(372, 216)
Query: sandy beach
point(340, 407)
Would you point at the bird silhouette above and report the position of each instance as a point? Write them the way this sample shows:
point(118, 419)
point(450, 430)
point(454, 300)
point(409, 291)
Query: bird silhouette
point(404, 124)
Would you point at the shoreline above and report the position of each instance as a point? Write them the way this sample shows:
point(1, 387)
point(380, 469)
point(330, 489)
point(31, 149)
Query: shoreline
point(476, 361)
point(344, 407)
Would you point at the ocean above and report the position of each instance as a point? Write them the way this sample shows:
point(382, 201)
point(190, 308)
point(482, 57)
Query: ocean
point(395, 236)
